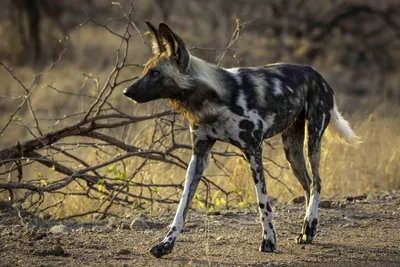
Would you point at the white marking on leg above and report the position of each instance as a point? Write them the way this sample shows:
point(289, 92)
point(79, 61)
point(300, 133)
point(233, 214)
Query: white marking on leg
point(178, 219)
point(312, 211)
point(265, 215)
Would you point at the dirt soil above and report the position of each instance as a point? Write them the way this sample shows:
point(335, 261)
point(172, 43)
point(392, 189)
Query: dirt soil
point(362, 231)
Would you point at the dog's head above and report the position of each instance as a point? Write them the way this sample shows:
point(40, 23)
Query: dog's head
point(164, 75)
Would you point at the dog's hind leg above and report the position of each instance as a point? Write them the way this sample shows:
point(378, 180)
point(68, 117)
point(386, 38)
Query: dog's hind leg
point(318, 120)
point(293, 144)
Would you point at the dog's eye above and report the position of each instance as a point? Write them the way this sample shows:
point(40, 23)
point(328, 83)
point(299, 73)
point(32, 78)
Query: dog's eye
point(155, 73)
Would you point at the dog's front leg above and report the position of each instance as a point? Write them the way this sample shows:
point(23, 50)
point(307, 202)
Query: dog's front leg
point(198, 163)
point(254, 157)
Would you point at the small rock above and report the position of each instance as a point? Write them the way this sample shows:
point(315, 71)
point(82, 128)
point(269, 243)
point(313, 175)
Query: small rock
point(46, 216)
point(325, 204)
point(342, 205)
point(144, 216)
point(215, 212)
point(31, 226)
point(58, 251)
point(191, 225)
point(139, 224)
point(56, 229)
point(123, 225)
point(355, 198)
point(389, 197)
point(38, 236)
point(303, 247)
point(219, 238)
point(123, 251)
point(351, 224)
point(112, 222)
point(230, 213)
point(54, 251)
point(297, 200)
point(8, 247)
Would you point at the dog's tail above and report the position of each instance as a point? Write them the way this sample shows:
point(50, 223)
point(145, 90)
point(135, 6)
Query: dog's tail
point(340, 129)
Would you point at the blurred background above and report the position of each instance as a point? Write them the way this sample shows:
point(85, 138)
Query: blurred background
point(354, 44)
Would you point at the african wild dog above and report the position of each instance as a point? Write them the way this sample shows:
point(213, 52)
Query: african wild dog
point(242, 106)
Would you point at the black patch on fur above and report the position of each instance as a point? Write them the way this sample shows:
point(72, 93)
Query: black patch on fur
point(247, 137)
point(234, 90)
point(238, 110)
point(271, 226)
point(269, 209)
point(246, 125)
point(310, 231)
point(263, 189)
point(171, 231)
point(162, 249)
point(248, 89)
point(210, 119)
point(234, 142)
point(255, 174)
point(261, 205)
point(250, 135)
point(258, 134)
point(267, 245)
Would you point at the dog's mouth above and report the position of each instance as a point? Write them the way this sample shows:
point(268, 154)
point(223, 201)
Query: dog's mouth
point(125, 92)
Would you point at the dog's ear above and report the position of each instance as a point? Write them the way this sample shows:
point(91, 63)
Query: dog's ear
point(174, 46)
point(156, 43)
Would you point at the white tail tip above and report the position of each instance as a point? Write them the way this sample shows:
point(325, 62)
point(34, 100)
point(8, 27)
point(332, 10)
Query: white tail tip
point(340, 129)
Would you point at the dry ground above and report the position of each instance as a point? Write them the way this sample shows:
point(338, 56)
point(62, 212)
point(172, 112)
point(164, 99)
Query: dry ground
point(362, 232)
